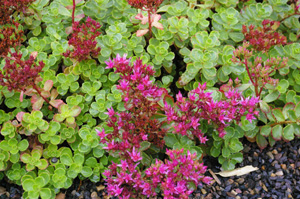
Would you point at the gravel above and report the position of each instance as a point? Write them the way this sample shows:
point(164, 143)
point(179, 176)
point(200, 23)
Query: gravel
point(277, 177)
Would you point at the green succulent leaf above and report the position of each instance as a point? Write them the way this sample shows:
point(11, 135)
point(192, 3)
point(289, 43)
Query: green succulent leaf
point(170, 140)
point(265, 130)
point(277, 132)
point(278, 115)
point(28, 184)
point(261, 141)
point(271, 96)
point(288, 132)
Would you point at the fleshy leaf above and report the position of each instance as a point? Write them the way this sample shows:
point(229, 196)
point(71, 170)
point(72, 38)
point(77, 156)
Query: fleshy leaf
point(278, 115)
point(265, 130)
point(288, 132)
point(277, 132)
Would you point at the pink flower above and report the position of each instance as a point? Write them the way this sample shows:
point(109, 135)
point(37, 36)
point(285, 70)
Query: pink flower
point(123, 164)
point(145, 137)
point(106, 173)
point(110, 145)
point(202, 139)
point(179, 97)
point(140, 87)
point(135, 156)
point(124, 85)
point(110, 112)
point(207, 180)
point(101, 134)
point(117, 190)
point(195, 122)
point(250, 117)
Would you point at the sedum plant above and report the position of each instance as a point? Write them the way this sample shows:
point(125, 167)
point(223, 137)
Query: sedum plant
point(32, 159)
point(152, 18)
point(36, 186)
point(16, 173)
point(214, 62)
point(67, 114)
point(151, 114)
point(83, 40)
point(19, 74)
point(32, 122)
point(14, 147)
point(12, 37)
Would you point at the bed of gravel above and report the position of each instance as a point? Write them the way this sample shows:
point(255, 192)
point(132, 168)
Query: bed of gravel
point(277, 177)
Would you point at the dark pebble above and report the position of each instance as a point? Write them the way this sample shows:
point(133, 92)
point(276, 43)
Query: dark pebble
point(54, 160)
point(228, 188)
point(87, 195)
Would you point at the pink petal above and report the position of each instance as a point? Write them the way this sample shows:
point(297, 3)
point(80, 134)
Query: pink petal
point(139, 16)
point(56, 103)
point(19, 116)
point(69, 30)
point(34, 54)
point(158, 25)
point(48, 85)
point(21, 96)
point(140, 33)
point(155, 17)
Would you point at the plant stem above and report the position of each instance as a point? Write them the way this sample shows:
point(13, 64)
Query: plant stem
point(247, 68)
point(256, 87)
point(39, 92)
point(284, 122)
point(260, 91)
point(73, 11)
point(150, 23)
point(295, 13)
point(255, 84)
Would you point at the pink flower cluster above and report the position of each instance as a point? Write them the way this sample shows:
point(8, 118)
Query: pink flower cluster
point(259, 71)
point(19, 74)
point(137, 124)
point(83, 40)
point(11, 37)
point(187, 112)
point(145, 4)
point(140, 98)
point(262, 39)
point(8, 7)
point(125, 179)
point(173, 176)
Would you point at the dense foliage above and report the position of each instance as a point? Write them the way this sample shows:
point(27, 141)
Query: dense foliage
point(137, 92)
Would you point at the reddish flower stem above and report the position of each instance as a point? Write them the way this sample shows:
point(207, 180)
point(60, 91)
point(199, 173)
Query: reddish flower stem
point(284, 122)
point(260, 90)
point(150, 23)
point(247, 68)
point(73, 11)
point(255, 84)
point(39, 92)
point(295, 13)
